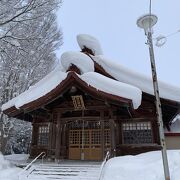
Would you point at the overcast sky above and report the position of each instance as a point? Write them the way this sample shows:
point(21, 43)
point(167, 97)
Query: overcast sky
point(113, 23)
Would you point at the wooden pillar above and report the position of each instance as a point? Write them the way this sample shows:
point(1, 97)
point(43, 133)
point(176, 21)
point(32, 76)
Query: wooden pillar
point(102, 133)
point(112, 132)
point(63, 141)
point(58, 138)
point(34, 140)
point(34, 135)
point(34, 131)
point(54, 136)
point(49, 152)
point(117, 134)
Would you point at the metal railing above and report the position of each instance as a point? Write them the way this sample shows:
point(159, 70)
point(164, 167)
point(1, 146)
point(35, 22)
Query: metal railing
point(43, 154)
point(103, 164)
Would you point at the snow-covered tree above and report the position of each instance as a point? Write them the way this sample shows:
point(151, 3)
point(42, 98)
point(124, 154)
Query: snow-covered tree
point(28, 39)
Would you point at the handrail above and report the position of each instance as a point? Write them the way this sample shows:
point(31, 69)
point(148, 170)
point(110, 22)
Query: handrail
point(29, 165)
point(42, 158)
point(103, 164)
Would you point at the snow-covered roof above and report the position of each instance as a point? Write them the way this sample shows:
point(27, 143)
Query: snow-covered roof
point(41, 88)
point(98, 81)
point(175, 126)
point(114, 87)
point(136, 79)
point(82, 61)
point(128, 84)
point(85, 40)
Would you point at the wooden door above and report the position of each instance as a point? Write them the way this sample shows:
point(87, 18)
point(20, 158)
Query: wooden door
point(90, 145)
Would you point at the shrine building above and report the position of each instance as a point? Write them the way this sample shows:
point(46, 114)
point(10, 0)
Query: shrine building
point(89, 105)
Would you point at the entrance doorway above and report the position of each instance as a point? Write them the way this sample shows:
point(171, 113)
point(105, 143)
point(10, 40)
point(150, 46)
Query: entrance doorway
point(85, 142)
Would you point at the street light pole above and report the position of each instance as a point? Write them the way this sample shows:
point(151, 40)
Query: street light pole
point(158, 107)
point(146, 22)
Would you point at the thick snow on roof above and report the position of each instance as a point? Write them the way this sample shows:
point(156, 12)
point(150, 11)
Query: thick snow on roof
point(136, 79)
point(175, 126)
point(129, 84)
point(82, 61)
point(114, 87)
point(85, 40)
point(40, 89)
point(96, 80)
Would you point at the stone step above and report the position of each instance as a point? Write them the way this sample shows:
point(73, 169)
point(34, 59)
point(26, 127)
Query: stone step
point(62, 177)
point(65, 170)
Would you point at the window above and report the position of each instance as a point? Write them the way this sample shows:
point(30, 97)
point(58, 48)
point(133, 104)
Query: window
point(137, 132)
point(43, 133)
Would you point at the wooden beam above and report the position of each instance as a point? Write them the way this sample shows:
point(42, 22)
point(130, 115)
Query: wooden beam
point(87, 118)
point(97, 108)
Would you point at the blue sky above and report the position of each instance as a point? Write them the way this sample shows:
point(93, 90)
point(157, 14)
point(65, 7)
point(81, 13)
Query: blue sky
point(113, 23)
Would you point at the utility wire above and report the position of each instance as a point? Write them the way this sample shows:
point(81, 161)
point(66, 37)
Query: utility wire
point(178, 31)
point(160, 40)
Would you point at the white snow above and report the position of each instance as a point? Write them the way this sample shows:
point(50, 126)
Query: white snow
point(127, 80)
point(114, 87)
point(176, 118)
point(146, 166)
point(7, 170)
point(85, 40)
point(17, 157)
point(96, 80)
point(9, 104)
point(82, 61)
point(136, 79)
point(175, 126)
point(40, 89)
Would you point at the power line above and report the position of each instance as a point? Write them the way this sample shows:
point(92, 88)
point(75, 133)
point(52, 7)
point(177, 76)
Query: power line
point(161, 39)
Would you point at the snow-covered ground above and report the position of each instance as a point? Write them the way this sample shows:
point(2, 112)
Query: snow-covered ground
point(17, 158)
point(146, 166)
point(8, 171)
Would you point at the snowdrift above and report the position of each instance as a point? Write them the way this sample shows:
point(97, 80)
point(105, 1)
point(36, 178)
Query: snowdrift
point(146, 166)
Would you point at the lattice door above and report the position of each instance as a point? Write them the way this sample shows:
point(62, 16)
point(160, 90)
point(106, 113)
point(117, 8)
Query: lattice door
point(90, 145)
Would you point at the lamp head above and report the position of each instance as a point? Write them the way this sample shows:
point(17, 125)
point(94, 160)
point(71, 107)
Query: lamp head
point(147, 21)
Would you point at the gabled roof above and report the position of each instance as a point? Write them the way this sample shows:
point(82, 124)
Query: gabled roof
point(110, 80)
point(86, 82)
point(123, 74)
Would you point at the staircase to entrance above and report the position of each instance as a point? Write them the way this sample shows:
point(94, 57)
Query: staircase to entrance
point(66, 170)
